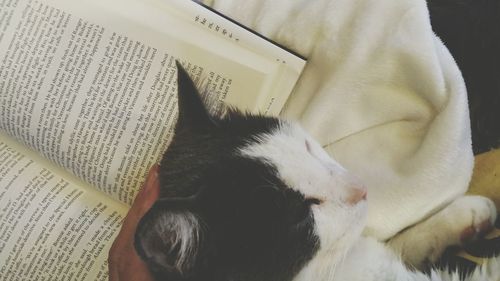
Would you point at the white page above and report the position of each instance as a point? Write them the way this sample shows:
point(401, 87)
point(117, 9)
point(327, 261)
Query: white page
point(52, 227)
point(93, 88)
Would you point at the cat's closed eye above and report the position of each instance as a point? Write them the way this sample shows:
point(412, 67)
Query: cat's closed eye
point(313, 201)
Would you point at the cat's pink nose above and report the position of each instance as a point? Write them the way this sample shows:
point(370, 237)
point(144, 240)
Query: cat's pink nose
point(356, 194)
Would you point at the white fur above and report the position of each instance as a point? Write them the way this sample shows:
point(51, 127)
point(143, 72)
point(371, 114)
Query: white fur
point(181, 231)
point(370, 260)
point(306, 168)
point(344, 254)
point(431, 237)
point(187, 237)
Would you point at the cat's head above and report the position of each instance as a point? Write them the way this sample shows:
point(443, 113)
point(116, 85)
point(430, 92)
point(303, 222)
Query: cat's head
point(245, 197)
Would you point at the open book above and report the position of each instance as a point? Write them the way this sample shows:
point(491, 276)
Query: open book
point(88, 104)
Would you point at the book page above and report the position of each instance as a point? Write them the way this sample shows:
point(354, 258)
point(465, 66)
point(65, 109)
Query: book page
point(91, 84)
point(51, 228)
point(201, 20)
point(290, 64)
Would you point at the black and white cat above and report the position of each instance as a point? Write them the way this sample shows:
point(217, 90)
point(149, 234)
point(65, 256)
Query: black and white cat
point(253, 198)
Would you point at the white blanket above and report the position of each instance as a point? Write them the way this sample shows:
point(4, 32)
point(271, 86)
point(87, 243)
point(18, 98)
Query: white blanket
point(381, 93)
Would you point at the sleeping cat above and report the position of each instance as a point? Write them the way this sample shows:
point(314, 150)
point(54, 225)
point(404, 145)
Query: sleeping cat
point(252, 198)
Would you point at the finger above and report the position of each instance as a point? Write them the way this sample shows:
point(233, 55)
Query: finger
point(143, 202)
point(148, 185)
point(148, 193)
point(144, 199)
point(123, 242)
point(113, 273)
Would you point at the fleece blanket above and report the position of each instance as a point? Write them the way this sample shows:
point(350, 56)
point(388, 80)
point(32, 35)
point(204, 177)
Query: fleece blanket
point(381, 93)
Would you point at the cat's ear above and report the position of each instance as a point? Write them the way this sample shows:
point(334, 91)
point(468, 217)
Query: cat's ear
point(193, 114)
point(170, 241)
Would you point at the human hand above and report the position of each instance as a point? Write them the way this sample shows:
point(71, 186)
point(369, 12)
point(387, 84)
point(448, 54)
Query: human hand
point(123, 261)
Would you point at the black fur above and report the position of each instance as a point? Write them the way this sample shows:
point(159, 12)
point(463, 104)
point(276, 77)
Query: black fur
point(471, 31)
point(253, 228)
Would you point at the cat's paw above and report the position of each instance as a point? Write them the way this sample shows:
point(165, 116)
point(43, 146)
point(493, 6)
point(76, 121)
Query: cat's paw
point(463, 220)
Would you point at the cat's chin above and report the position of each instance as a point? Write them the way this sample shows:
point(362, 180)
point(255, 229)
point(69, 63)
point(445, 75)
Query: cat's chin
point(362, 206)
point(359, 215)
point(360, 211)
point(339, 227)
point(333, 250)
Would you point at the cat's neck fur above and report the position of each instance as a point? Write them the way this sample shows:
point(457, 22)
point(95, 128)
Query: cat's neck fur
point(371, 260)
